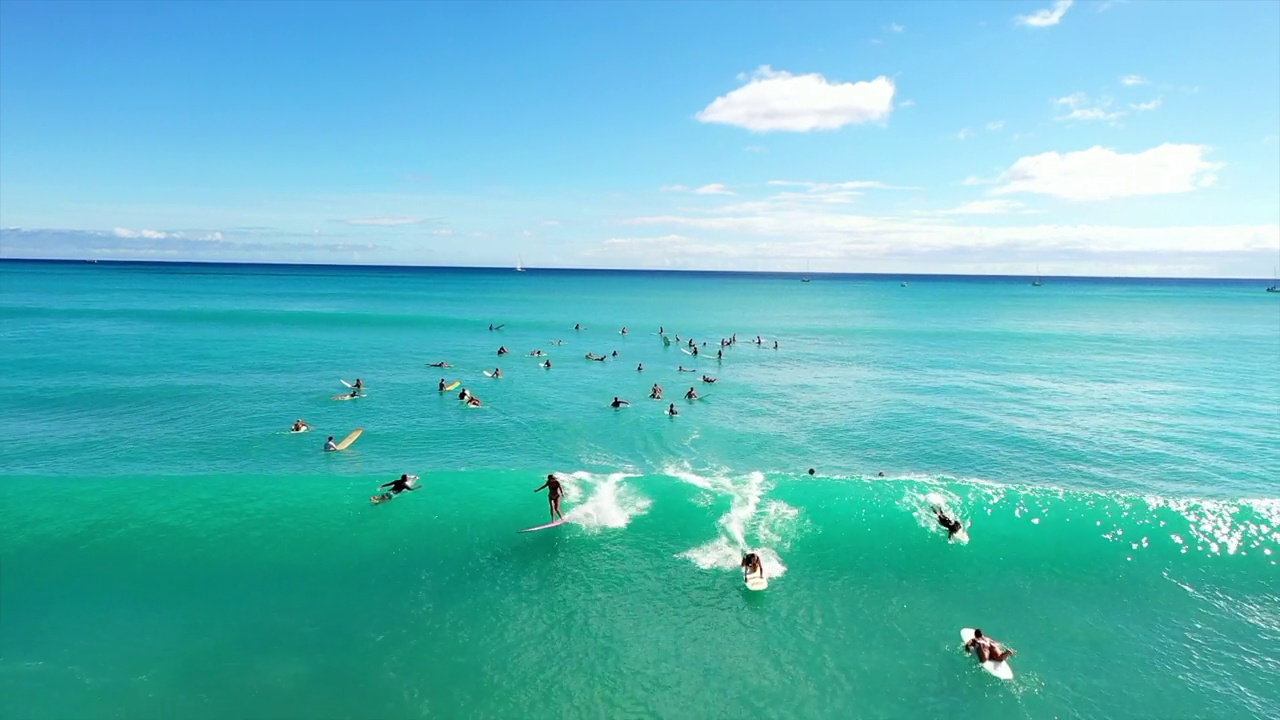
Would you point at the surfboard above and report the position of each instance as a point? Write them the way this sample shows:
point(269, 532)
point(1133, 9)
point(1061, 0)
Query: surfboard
point(452, 386)
point(344, 382)
point(384, 497)
point(305, 428)
point(487, 373)
point(542, 527)
point(499, 327)
point(346, 442)
point(346, 396)
point(998, 669)
point(961, 537)
point(685, 351)
point(756, 582)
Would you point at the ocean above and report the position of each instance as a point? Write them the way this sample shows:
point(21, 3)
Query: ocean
point(169, 550)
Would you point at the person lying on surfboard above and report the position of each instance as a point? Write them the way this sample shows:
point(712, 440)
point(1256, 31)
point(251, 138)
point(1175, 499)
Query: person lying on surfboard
point(682, 368)
point(355, 392)
point(987, 648)
point(554, 491)
point(406, 482)
point(473, 401)
point(440, 364)
point(618, 403)
point(952, 526)
point(330, 445)
point(708, 379)
point(751, 565)
point(299, 426)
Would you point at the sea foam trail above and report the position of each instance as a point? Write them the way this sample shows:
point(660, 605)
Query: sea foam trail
point(609, 501)
point(749, 517)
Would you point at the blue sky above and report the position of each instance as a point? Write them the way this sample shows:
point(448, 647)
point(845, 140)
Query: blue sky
point(1100, 138)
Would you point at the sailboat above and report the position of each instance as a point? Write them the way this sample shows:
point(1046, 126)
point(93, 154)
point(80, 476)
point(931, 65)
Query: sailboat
point(1275, 281)
point(519, 264)
point(805, 278)
point(1038, 281)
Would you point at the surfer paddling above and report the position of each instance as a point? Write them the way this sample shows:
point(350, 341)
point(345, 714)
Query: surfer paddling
point(440, 364)
point(554, 491)
point(987, 648)
point(618, 403)
point(952, 526)
point(406, 482)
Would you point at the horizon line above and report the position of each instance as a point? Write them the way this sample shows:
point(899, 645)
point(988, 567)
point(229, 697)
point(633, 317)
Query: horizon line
point(504, 268)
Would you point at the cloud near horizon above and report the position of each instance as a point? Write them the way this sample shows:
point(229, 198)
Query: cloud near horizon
point(776, 100)
point(1102, 173)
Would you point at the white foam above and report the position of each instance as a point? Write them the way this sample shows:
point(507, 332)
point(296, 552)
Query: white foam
point(610, 502)
point(746, 520)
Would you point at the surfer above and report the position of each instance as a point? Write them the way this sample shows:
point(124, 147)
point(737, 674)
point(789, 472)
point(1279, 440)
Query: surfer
point(330, 445)
point(406, 482)
point(300, 426)
point(547, 364)
point(671, 409)
point(497, 373)
point(811, 472)
point(355, 392)
point(708, 379)
point(751, 565)
point(615, 353)
point(640, 367)
point(775, 344)
point(473, 401)
point(490, 327)
point(502, 351)
point(359, 385)
point(464, 395)
point(656, 392)
point(441, 364)
point(662, 330)
point(682, 368)
point(987, 648)
point(719, 355)
point(952, 526)
point(624, 330)
point(441, 384)
point(695, 351)
point(554, 491)
point(691, 395)
point(576, 326)
point(618, 403)
point(536, 353)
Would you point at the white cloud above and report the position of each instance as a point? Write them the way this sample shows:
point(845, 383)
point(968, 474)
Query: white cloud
point(442, 232)
point(1082, 108)
point(975, 180)
point(1101, 173)
point(385, 221)
point(1045, 17)
point(906, 103)
point(1133, 80)
point(896, 28)
point(995, 126)
point(964, 134)
point(674, 188)
point(985, 207)
point(147, 234)
point(1146, 106)
point(713, 189)
point(778, 100)
point(826, 187)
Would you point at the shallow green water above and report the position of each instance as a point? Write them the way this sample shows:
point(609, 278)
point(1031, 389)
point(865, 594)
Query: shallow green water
point(168, 550)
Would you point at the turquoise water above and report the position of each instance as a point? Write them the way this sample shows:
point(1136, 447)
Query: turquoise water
point(169, 550)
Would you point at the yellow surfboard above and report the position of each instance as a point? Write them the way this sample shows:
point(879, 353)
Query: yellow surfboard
point(346, 441)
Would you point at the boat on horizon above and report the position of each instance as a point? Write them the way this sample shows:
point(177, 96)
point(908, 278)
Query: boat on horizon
point(805, 277)
point(519, 264)
point(1275, 281)
point(1038, 282)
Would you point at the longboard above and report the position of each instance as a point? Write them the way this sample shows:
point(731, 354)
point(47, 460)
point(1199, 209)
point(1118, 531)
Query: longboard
point(756, 581)
point(452, 386)
point(557, 523)
point(347, 396)
point(998, 669)
point(346, 442)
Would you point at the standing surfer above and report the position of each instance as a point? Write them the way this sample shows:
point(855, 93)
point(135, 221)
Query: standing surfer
point(554, 491)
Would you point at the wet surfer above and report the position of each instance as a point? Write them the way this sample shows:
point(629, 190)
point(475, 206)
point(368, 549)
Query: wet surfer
point(618, 403)
point(300, 426)
point(330, 445)
point(987, 648)
point(554, 491)
point(952, 526)
point(708, 379)
point(497, 373)
point(440, 364)
point(656, 392)
point(405, 482)
point(442, 384)
point(671, 410)
point(502, 350)
point(640, 367)
point(691, 395)
point(751, 565)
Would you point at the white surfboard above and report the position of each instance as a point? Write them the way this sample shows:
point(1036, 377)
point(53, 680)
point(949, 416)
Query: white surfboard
point(685, 351)
point(756, 581)
point(961, 538)
point(487, 373)
point(1001, 670)
point(557, 523)
point(305, 428)
point(344, 382)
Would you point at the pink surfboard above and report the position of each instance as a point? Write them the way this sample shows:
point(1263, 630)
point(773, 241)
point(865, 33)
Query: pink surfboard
point(542, 527)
